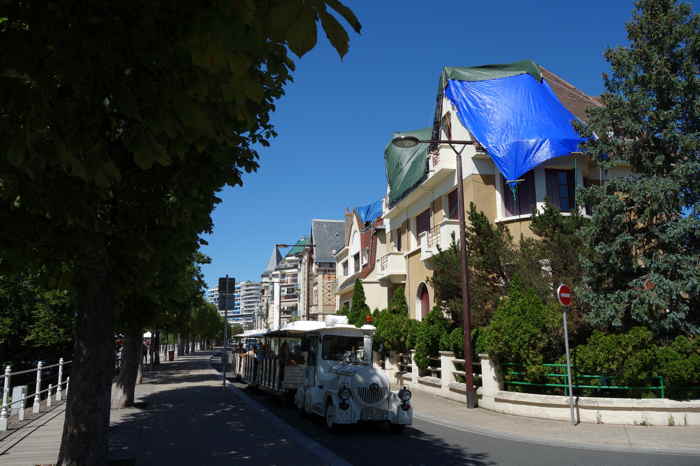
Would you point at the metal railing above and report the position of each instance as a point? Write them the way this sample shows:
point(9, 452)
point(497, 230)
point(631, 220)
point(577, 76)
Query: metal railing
point(53, 392)
point(433, 236)
point(384, 263)
point(604, 382)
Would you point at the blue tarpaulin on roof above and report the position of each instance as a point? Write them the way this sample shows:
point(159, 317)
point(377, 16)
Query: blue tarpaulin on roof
point(518, 119)
point(370, 212)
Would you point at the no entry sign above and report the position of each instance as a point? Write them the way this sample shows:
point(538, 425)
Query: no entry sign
point(564, 295)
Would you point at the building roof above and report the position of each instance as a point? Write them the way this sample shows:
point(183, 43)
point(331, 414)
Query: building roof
point(573, 99)
point(328, 238)
point(273, 262)
point(298, 247)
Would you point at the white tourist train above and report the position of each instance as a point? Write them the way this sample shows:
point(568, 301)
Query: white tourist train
point(327, 368)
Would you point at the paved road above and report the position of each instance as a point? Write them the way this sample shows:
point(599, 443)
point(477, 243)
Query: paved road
point(427, 443)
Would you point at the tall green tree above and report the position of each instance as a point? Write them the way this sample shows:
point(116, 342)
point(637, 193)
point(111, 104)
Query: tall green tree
point(359, 310)
point(644, 237)
point(494, 260)
point(120, 121)
point(560, 245)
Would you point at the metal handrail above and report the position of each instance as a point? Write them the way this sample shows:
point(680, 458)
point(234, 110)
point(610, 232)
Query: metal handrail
point(661, 388)
point(27, 371)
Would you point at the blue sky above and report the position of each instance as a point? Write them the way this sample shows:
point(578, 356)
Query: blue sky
point(337, 116)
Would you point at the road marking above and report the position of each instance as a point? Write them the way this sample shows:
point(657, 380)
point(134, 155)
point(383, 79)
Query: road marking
point(323, 453)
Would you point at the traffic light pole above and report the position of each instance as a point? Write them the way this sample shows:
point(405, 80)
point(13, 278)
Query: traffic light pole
point(224, 358)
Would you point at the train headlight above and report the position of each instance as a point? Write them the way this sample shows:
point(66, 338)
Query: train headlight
point(344, 393)
point(404, 395)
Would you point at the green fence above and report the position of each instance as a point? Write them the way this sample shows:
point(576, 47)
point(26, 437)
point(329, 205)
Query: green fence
point(583, 381)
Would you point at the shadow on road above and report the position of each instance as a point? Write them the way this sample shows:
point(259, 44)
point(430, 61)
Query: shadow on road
point(373, 443)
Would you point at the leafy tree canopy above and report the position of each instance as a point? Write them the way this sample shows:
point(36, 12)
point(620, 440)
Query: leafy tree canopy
point(644, 266)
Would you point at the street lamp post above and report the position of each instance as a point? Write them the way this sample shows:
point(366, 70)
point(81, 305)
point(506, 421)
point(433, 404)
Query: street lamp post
point(411, 141)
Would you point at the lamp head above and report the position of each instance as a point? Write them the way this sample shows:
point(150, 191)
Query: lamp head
point(405, 142)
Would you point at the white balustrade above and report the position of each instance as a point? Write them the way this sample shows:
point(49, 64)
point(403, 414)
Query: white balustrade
point(55, 392)
point(60, 379)
point(5, 396)
point(37, 391)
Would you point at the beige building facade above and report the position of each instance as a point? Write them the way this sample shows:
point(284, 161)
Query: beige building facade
point(425, 220)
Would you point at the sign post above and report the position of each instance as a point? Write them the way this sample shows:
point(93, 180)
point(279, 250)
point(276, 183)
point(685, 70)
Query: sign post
point(225, 287)
point(564, 297)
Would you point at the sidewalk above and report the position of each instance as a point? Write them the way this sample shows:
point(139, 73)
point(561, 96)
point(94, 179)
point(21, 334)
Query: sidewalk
point(188, 418)
point(639, 439)
point(183, 416)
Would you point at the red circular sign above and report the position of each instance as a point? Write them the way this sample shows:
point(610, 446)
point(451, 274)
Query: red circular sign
point(564, 295)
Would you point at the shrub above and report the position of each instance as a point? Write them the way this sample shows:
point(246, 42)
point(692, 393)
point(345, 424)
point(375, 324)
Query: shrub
point(524, 331)
point(429, 333)
point(412, 327)
point(359, 310)
point(627, 357)
point(393, 330)
point(679, 365)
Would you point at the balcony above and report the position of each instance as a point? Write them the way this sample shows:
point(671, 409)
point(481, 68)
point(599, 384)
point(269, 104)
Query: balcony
point(392, 268)
point(438, 238)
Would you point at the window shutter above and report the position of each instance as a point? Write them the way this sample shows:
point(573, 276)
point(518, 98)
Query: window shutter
point(423, 222)
point(453, 204)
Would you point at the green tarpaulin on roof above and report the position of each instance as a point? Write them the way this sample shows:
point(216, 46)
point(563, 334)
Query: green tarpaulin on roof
point(298, 247)
point(406, 167)
point(488, 72)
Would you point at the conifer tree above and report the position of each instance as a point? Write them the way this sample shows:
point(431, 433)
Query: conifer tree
point(358, 308)
point(645, 233)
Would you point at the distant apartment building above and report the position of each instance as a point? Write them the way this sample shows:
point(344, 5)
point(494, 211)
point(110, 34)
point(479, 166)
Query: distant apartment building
point(246, 304)
point(212, 296)
point(280, 286)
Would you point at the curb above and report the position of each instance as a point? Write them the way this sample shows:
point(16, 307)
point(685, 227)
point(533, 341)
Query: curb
point(318, 450)
point(557, 443)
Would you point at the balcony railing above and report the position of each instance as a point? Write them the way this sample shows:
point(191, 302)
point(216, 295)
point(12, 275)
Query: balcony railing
point(392, 267)
point(438, 238)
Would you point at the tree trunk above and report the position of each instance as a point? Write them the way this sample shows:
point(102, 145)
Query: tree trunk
point(155, 350)
point(84, 440)
point(124, 387)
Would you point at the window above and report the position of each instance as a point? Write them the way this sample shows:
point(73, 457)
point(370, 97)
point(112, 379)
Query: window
point(345, 268)
point(524, 202)
point(335, 347)
point(356, 262)
point(399, 231)
point(365, 256)
point(560, 189)
point(423, 222)
point(453, 205)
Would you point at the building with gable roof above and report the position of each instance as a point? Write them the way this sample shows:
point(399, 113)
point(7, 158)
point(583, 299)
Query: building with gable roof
point(365, 243)
point(317, 275)
point(421, 206)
